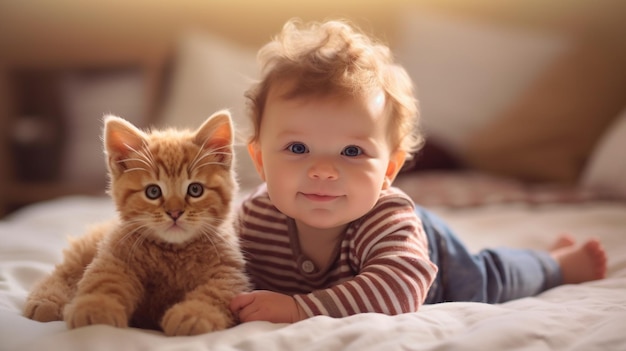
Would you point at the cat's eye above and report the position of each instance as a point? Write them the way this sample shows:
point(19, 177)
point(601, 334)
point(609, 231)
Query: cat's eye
point(297, 148)
point(352, 151)
point(153, 192)
point(195, 190)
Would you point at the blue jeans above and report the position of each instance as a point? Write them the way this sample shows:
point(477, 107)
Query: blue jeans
point(491, 275)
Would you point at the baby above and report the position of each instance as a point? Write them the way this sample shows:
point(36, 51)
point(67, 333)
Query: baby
point(334, 121)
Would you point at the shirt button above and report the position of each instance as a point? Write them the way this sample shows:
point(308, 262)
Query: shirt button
point(307, 266)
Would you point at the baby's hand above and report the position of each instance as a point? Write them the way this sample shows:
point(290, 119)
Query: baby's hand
point(261, 305)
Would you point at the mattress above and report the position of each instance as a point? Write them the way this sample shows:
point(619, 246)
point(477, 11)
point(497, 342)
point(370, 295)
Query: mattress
point(588, 316)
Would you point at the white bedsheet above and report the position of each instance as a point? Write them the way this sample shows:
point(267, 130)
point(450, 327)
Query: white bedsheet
point(590, 316)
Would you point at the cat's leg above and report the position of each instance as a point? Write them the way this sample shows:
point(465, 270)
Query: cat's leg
point(49, 296)
point(206, 308)
point(107, 294)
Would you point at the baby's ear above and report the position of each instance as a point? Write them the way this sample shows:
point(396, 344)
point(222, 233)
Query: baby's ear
point(396, 161)
point(120, 139)
point(254, 149)
point(216, 135)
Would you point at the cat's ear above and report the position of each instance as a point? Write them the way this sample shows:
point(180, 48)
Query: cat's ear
point(120, 138)
point(216, 134)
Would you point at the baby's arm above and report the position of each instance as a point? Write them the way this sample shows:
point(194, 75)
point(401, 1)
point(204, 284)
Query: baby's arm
point(394, 271)
point(390, 282)
point(391, 272)
point(391, 285)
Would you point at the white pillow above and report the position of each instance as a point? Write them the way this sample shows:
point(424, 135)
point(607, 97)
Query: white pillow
point(606, 168)
point(211, 74)
point(467, 71)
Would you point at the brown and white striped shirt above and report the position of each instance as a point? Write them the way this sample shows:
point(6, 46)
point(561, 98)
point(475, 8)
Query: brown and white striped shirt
point(381, 264)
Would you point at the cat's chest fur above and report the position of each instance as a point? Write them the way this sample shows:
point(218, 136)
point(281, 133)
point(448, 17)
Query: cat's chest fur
point(159, 264)
point(165, 272)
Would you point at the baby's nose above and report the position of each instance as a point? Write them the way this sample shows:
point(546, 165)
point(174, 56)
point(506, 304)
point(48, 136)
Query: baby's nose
point(323, 170)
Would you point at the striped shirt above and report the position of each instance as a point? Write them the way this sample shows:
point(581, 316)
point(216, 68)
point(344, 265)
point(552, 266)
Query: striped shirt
point(380, 265)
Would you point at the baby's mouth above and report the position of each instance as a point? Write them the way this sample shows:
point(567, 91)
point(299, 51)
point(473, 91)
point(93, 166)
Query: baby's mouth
point(320, 197)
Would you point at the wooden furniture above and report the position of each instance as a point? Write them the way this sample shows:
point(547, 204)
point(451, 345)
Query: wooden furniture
point(33, 128)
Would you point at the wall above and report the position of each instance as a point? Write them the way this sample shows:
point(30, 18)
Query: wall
point(59, 34)
point(50, 31)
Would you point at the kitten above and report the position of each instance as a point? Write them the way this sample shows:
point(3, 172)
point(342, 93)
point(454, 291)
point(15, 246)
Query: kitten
point(171, 260)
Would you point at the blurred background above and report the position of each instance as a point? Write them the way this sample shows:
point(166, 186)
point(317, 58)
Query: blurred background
point(65, 63)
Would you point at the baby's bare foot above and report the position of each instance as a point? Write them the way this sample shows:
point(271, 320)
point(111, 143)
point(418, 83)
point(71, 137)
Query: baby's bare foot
point(579, 263)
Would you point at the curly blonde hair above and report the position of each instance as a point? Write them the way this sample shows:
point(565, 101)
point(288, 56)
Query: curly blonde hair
point(334, 57)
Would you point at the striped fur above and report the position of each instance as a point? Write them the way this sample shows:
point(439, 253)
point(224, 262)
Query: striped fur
point(171, 260)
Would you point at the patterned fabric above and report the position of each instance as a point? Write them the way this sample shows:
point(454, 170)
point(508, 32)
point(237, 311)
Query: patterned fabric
point(459, 189)
point(380, 265)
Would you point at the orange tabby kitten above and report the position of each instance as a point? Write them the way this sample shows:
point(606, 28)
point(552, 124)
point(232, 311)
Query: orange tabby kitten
point(171, 259)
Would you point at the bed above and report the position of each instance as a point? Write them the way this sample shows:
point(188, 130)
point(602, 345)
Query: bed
point(588, 316)
point(562, 170)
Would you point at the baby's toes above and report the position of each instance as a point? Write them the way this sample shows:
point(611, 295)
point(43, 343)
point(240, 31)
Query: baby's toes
point(597, 256)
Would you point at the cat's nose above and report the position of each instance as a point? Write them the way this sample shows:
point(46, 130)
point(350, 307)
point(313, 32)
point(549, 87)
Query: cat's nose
point(174, 214)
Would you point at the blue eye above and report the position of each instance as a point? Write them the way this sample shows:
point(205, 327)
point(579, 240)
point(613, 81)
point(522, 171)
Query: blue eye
point(297, 148)
point(153, 192)
point(352, 151)
point(195, 190)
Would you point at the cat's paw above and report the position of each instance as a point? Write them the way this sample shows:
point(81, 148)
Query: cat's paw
point(43, 310)
point(95, 309)
point(194, 318)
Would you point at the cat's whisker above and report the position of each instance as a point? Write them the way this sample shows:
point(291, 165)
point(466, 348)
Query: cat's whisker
point(202, 153)
point(209, 153)
point(214, 149)
point(210, 239)
point(213, 231)
point(196, 159)
point(132, 230)
point(125, 237)
point(136, 169)
point(145, 153)
point(210, 163)
point(136, 159)
point(217, 149)
point(138, 241)
point(133, 224)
